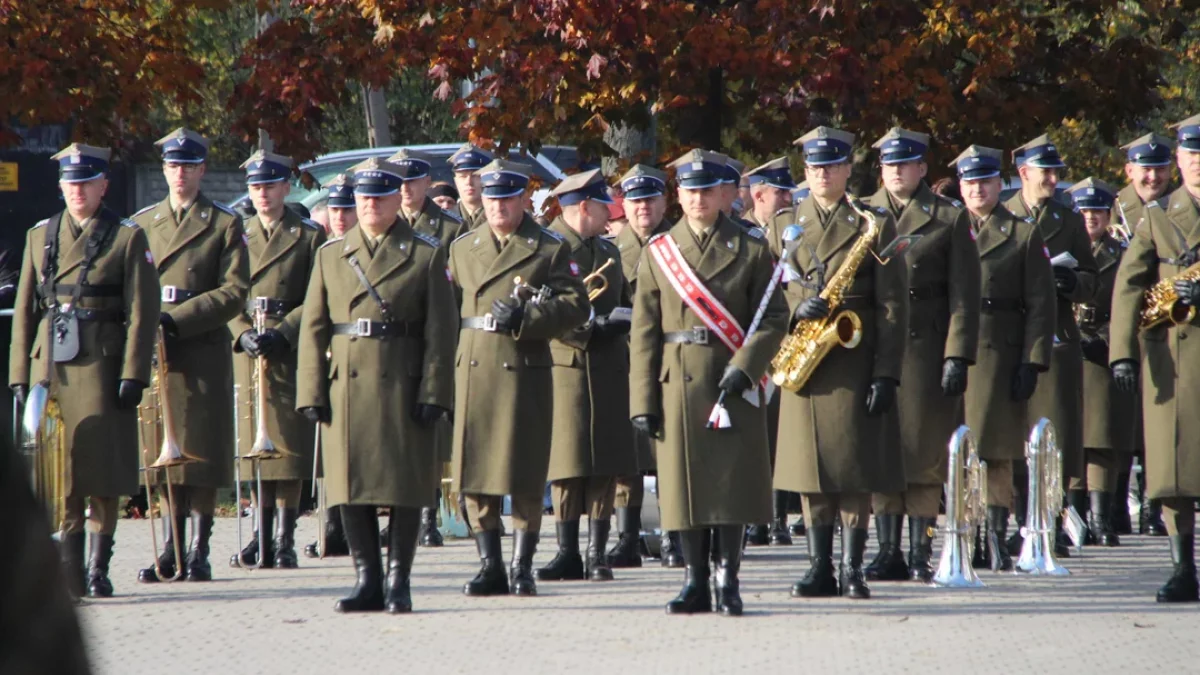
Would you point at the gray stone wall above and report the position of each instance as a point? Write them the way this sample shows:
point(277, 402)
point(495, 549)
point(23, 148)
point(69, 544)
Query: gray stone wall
point(221, 184)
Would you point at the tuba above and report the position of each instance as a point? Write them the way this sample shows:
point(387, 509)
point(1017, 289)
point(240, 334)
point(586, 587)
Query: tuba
point(812, 339)
point(597, 276)
point(155, 413)
point(43, 442)
point(966, 510)
point(1044, 459)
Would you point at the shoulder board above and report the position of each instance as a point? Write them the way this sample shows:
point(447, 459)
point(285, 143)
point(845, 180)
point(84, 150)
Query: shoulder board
point(428, 239)
point(660, 235)
point(331, 241)
point(1155, 203)
point(552, 234)
point(880, 210)
point(41, 223)
point(754, 232)
point(311, 224)
point(605, 241)
point(464, 235)
point(610, 238)
point(128, 223)
point(221, 207)
point(1026, 219)
point(950, 200)
point(452, 216)
point(786, 209)
point(144, 210)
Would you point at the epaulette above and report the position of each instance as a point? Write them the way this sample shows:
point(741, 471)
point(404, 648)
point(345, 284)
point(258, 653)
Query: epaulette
point(1028, 219)
point(331, 241)
point(41, 223)
point(880, 210)
point(609, 242)
point(755, 232)
point(1156, 203)
point(952, 201)
point(451, 216)
point(311, 224)
point(657, 236)
point(783, 210)
point(464, 235)
point(148, 208)
point(128, 223)
point(428, 239)
point(553, 235)
point(221, 207)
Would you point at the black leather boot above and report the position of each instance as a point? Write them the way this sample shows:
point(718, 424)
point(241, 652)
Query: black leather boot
point(672, 550)
point(430, 536)
point(597, 560)
point(99, 585)
point(758, 535)
point(819, 582)
point(729, 562)
point(335, 539)
point(75, 574)
point(888, 564)
point(1182, 586)
point(920, 548)
point(1020, 506)
point(779, 535)
point(694, 597)
point(1078, 500)
point(520, 573)
point(1062, 542)
point(1120, 520)
point(166, 559)
point(198, 567)
point(1100, 520)
point(627, 551)
point(285, 540)
point(997, 520)
point(851, 583)
point(567, 564)
point(402, 549)
point(982, 558)
point(361, 525)
point(264, 520)
point(1153, 524)
point(491, 579)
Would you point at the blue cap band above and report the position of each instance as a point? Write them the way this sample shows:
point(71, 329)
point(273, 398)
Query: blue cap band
point(978, 168)
point(899, 150)
point(81, 168)
point(503, 184)
point(642, 187)
point(821, 151)
point(376, 183)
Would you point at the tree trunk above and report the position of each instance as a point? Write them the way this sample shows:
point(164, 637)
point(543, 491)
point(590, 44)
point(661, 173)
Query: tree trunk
point(631, 144)
point(700, 126)
point(263, 22)
point(379, 133)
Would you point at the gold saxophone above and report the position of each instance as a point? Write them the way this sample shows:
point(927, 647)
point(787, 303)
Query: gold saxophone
point(811, 339)
point(1162, 302)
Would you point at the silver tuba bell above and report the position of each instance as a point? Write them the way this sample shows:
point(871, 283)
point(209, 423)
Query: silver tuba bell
point(1044, 458)
point(966, 510)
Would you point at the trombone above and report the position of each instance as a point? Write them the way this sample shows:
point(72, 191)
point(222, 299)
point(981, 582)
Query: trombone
point(262, 449)
point(966, 510)
point(158, 416)
point(597, 276)
point(1044, 458)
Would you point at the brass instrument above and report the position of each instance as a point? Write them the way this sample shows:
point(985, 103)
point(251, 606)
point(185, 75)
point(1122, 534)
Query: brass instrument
point(534, 296)
point(155, 412)
point(1044, 459)
point(1119, 228)
point(966, 510)
point(1161, 302)
point(597, 275)
point(263, 448)
point(43, 442)
point(811, 339)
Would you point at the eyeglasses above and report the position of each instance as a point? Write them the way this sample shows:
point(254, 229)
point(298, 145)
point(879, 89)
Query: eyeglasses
point(183, 167)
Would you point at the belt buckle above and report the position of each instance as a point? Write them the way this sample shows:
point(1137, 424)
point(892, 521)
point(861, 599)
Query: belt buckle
point(262, 304)
point(489, 323)
point(699, 335)
point(362, 327)
point(1088, 314)
point(168, 293)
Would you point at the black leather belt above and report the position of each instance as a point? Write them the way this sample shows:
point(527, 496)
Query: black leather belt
point(485, 323)
point(1091, 316)
point(274, 307)
point(114, 315)
point(174, 295)
point(698, 335)
point(92, 291)
point(928, 292)
point(857, 302)
point(378, 330)
point(1002, 304)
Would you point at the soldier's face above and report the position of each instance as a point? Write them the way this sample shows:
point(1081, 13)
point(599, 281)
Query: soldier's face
point(644, 214)
point(729, 196)
point(1189, 168)
point(903, 179)
point(83, 199)
point(340, 220)
point(504, 214)
point(589, 218)
point(768, 200)
point(1097, 221)
point(469, 187)
point(445, 202)
point(413, 192)
point(1037, 182)
point(268, 197)
point(980, 196)
point(702, 204)
point(828, 181)
point(377, 213)
point(1149, 182)
point(183, 179)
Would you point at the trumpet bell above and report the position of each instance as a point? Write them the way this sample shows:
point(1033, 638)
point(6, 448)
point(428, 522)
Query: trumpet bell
point(172, 455)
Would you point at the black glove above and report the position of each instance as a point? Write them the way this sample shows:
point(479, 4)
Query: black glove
point(812, 308)
point(168, 325)
point(954, 376)
point(734, 381)
point(20, 392)
point(1188, 291)
point(604, 327)
point(1024, 381)
point(882, 395)
point(649, 425)
point(273, 345)
point(248, 341)
point(1065, 279)
point(508, 314)
point(425, 414)
point(1095, 350)
point(1125, 375)
point(129, 394)
point(315, 414)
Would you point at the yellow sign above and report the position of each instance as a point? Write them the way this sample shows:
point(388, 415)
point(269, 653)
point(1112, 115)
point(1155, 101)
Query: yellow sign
point(8, 176)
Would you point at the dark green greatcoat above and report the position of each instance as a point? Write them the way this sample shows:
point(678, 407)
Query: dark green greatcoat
point(1110, 417)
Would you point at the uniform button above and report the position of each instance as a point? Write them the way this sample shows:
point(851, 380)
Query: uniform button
point(915, 266)
point(354, 373)
point(474, 362)
point(353, 338)
point(506, 366)
point(1183, 336)
point(912, 333)
point(687, 378)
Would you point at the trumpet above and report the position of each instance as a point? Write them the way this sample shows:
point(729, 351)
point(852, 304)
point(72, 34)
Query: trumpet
point(534, 296)
point(263, 447)
point(966, 510)
point(597, 276)
point(158, 416)
point(1044, 459)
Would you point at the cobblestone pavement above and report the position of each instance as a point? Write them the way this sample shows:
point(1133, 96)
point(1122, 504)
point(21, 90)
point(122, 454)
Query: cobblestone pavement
point(1101, 619)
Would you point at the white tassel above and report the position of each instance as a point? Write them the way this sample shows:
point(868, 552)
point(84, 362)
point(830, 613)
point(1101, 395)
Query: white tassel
point(719, 418)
